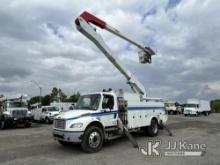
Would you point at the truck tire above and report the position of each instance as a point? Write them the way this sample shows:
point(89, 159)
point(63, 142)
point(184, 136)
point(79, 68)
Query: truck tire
point(2, 123)
point(206, 113)
point(92, 139)
point(152, 130)
point(47, 120)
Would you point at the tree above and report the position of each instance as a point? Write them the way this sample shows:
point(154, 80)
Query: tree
point(74, 97)
point(62, 96)
point(58, 95)
point(54, 94)
point(33, 100)
point(215, 105)
point(46, 100)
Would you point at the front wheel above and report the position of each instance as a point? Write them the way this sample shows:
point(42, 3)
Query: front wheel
point(2, 124)
point(152, 130)
point(92, 139)
point(47, 120)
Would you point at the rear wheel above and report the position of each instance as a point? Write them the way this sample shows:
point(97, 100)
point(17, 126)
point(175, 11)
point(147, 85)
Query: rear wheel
point(2, 123)
point(206, 113)
point(153, 129)
point(92, 139)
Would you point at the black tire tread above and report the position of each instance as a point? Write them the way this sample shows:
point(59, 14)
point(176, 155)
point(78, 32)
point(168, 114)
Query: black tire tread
point(84, 143)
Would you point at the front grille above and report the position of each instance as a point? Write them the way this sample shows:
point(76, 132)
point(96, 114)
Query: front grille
point(19, 113)
point(59, 123)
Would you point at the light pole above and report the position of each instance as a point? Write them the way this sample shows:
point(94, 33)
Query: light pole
point(40, 88)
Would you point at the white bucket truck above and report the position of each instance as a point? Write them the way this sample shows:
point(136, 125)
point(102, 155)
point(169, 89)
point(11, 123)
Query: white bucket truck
point(197, 107)
point(108, 115)
point(171, 108)
point(45, 114)
point(13, 110)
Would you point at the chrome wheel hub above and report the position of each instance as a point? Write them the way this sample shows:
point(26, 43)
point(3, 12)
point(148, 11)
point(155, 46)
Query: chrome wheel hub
point(94, 139)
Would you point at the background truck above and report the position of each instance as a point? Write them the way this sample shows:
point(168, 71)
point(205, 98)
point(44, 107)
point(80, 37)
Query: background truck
point(108, 115)
point(171, 107)
point(13, 110)
point(63, 106)
point(197, 107)
point(45, 114)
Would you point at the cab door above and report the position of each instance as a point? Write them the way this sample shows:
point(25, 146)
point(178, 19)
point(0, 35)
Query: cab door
point(108, 114)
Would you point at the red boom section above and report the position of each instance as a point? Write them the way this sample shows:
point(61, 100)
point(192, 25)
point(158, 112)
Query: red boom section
point(92, 19)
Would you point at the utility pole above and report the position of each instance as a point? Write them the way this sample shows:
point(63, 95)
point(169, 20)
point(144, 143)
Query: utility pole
point(40, 88)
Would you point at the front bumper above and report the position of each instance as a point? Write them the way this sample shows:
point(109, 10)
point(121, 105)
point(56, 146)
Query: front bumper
point(14, 120)
point(62, 135)
point(189, 112)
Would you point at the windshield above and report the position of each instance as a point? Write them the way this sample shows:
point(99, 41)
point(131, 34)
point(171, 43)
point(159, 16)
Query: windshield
point(16, 104)
point(169, 104)
point(191, 105)
point(52, 109)
point(90, 102)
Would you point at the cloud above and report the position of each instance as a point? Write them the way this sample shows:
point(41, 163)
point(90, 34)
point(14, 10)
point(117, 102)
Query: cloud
point(38, 41)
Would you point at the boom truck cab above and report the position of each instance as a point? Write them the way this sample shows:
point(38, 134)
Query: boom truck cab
point(107, 115)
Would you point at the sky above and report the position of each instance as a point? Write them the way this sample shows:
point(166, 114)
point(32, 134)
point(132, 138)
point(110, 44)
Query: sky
point(39, 42)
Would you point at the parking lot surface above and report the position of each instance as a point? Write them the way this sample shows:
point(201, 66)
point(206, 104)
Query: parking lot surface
point(36, 146)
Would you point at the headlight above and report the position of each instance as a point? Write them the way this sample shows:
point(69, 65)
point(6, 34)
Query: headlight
point(76, 125)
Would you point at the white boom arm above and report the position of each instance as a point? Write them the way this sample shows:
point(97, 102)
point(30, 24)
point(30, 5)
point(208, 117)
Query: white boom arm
point(82, 24)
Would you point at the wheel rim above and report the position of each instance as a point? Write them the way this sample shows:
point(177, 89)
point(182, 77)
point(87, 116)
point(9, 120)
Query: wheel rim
point(94, 139)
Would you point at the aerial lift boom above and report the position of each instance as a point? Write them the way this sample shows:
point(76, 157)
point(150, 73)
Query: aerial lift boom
point(83, 24)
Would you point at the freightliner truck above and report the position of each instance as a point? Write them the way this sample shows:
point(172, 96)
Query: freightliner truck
point(108, 114)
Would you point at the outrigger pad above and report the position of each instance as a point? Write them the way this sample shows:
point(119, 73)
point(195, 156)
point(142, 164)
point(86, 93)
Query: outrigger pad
point(168, 130)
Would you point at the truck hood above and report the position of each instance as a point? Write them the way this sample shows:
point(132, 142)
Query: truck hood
point(73, 114)
point(54, 113)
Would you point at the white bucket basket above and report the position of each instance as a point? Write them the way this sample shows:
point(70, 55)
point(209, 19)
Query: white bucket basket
point(144, 57)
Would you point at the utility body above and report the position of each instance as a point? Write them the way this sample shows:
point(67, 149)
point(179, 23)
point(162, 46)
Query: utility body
point(109, 114)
